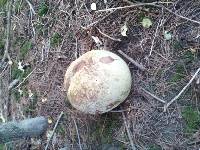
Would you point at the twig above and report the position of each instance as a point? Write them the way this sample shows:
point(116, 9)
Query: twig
point(7, 45)
point(79, 140)
point(54, 129)
point(3, 70)
point(31, 7)
point(141, 67)
point(184, 88)
point(32, 12)
point(155, 4)
point(114, 39)
point(157, 98)
point(25, 78)
point(97, 22)
point(13, 83)
point(128, 132)
point(156, 34)
point(131, 6)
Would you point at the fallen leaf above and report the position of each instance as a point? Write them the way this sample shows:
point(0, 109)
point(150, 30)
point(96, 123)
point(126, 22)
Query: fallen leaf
point(20, 91)
point(93, 6)
point(44, 99)
point(20, 66)
point(146, 22)
point(193, 50)
point(124, 29)
point(30, 94)
point(3, 120)
point(50, 120)
point(10, 62)
point(97, 41)
point(167, 35)
point(49, 134)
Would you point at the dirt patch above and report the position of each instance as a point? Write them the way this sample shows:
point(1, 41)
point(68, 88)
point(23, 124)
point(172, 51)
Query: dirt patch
point(61, 31)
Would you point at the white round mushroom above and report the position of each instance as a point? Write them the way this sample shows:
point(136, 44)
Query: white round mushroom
point(97, 82)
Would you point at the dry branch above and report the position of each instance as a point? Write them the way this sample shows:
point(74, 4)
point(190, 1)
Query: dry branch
point(114, 39)
point(184, 88)
point(7, 45)
point(54, 129)
point(157, 98)
point(141, 67)
point(79, 140)
point(128, 132)
point(155, 4)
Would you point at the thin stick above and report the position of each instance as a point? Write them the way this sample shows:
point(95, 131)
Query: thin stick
point(114, 39)
point(54, 129)
point(141, 67)
point(131, 6)
point(13, 83)
point(179, 94)
point(7, 45)
point(155, 4)
point(25, 78)
point(128, 132)
point(156, 34)
point(154, 96)
point(31, 7)
point(97, 22)
point(79, 140)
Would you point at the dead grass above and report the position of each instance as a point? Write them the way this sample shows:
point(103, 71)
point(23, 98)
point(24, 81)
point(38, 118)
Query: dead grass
point(75, 23)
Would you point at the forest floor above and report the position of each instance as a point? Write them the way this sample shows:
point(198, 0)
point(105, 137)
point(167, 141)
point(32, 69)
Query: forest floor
point(46, 36)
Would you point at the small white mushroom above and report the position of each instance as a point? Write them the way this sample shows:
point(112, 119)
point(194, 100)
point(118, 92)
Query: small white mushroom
point(97, 82)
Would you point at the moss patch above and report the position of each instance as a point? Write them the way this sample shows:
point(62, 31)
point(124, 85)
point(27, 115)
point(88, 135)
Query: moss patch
point(43, 9)
point(25, 49)
point(56, 39)
point(18, 74)
point(104, 128)
point(192, 119)
point(2, 147)
point(179, 73)
point(3, 3)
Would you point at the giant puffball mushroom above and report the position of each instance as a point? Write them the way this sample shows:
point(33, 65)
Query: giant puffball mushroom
point(97, 82)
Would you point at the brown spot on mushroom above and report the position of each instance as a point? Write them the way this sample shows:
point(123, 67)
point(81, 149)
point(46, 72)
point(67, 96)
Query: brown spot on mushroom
point(106, 60)
point(80, 65)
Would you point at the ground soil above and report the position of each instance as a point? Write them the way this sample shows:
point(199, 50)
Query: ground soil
point(61, 31)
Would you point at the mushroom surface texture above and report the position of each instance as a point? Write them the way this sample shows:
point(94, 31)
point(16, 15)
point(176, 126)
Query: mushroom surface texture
point(97, 82)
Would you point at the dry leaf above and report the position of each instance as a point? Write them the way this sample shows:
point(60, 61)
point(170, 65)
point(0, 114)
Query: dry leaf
point(93, 6)
point(10, 62)
point(97, 41)
point(44, 99)
point(50, 120)
point(146, 22)
point(124, 29)
point(167, 35)
point(20, 66)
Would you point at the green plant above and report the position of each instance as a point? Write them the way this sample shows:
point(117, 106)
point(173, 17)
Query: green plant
point(177, 45)
point(188, 57)
point(179, 73)
point(18, 6)
point(3, 3)
point(43, 9)
point(154, 147)
point(16, 95)
point(17, 73)
point(105, 128)
point(2, 147)
point(192, 119)
point(2, 43)
point(27, 45)
point(56, 39)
